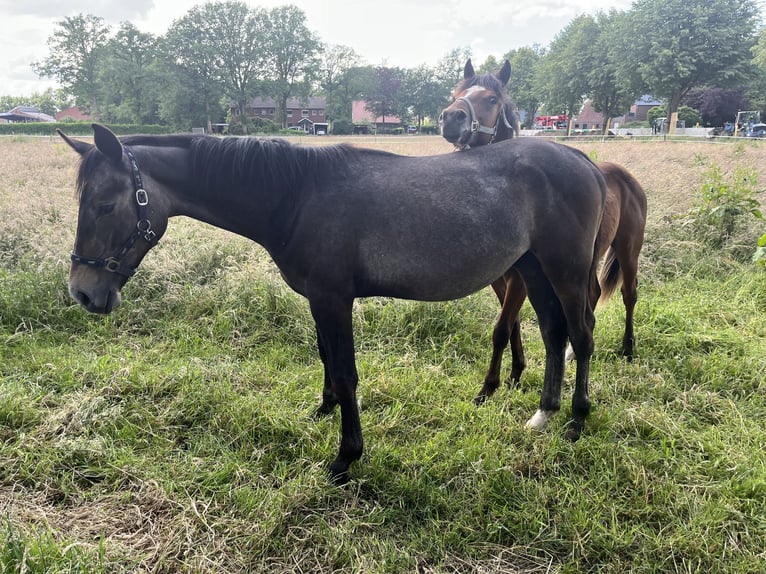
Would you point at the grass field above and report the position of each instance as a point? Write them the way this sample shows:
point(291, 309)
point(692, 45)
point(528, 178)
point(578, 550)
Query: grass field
point(176, 434)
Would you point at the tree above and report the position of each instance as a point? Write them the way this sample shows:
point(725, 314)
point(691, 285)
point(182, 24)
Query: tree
point(76, 49)
point(563, 72)
point(386, 91)
point(717, 105)
point(128, 84)
point(292, 56)
point(522, 87)
point(191, 58)
point(678, 45)
point(334, 80)
point(425, 96)
point(609, 95)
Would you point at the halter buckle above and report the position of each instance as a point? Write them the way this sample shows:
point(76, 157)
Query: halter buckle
point(142, 198)
point(474, 126)
point(111, 264)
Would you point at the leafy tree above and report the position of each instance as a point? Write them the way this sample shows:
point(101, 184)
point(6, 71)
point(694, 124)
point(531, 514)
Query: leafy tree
point(522, 87)
point(336, 82)
point(678, 45)
point(717, 105)
point(563, 71)
point(48, 102)
point(292, 56)
point(609, 96)
point(127, 80)
point(76, 49)
point(449, 70)
point(191, 58)
point(387, 90)
point(756, 91)
point(425, 96)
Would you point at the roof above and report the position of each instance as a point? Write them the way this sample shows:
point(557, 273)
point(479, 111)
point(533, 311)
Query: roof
point(73, 113)
point(360, 114)
point(26, 114)
point(313, 102)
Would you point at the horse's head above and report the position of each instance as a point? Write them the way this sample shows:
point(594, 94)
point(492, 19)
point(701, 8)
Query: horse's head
point(117, 224)
point(481, 111)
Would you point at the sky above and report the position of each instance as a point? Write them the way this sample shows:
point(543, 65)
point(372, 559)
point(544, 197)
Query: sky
point(404, 33)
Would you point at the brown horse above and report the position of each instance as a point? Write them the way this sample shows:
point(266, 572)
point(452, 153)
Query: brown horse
point(483, 100)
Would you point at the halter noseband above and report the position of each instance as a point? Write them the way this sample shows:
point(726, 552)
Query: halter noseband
point(143, 229)
point(477, 128)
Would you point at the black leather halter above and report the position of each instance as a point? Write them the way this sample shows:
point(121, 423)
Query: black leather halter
point(143, 230)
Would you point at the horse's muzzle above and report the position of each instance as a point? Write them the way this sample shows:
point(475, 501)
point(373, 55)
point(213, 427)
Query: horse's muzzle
point(454, 125)
point(103, 302)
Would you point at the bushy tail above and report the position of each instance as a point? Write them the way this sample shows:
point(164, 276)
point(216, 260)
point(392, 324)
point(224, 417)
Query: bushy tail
point(610, 277)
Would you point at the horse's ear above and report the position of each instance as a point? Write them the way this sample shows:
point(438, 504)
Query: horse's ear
point(468, 72)
point(107, 143)
point(80, 147)
point(505, 73)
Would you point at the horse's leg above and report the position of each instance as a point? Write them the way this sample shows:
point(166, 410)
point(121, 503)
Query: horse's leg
point(553, 329)
point(329, 400)
point(629, 289)
point(333, 320)
point(511, 292)
point(575, 297)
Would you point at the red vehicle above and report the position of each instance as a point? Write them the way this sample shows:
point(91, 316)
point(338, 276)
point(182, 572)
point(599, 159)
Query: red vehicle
point(552, 122)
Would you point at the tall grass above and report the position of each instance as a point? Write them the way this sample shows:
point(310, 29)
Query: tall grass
point(176, 435)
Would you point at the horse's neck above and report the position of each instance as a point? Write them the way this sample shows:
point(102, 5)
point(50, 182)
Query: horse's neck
point(507, 125)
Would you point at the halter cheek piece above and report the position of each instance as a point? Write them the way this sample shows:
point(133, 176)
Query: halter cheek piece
point(143, 230)
point(477, 128)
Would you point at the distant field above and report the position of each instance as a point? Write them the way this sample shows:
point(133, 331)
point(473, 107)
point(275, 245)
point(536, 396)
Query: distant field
point(176, 434)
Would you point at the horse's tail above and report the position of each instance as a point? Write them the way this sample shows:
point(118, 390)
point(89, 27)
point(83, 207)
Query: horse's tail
point(610, 277)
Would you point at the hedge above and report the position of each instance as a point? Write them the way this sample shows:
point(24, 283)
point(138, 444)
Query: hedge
point(77, 129)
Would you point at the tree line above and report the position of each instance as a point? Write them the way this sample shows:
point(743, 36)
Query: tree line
point(707, 54)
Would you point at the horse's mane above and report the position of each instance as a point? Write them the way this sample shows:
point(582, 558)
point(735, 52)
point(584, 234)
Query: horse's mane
point(237, 162)
point(272, 163)
point(488, 81)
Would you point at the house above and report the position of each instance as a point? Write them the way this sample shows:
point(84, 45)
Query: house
point(639, 111)
point(364, 120)
point(307, 115)
point(21, 114)
point(588, 118)
point(73, 114)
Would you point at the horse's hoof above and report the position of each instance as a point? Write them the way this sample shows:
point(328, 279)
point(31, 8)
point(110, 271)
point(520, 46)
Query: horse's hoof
point(574, 430)
point(539, 420)
point(338, 473)
point(324, 410)
point(480, 399)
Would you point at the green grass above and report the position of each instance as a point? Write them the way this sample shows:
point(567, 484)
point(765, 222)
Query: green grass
point(176, 435)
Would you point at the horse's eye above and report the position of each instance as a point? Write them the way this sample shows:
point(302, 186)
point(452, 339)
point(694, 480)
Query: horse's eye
point(104, 209)
point(493, 100)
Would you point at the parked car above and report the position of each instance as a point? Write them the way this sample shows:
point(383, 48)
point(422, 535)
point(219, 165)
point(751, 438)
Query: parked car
point(757, 131)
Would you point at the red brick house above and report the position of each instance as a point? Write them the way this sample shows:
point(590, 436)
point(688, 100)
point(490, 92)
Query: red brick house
point(308, 115)
point(74, 114)
point(361, 118)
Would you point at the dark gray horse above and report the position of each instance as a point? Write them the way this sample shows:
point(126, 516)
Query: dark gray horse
point(343, 222)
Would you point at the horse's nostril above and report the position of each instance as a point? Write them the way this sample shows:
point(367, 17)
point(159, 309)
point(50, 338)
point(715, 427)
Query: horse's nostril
point(460, 115)
point(82, 298)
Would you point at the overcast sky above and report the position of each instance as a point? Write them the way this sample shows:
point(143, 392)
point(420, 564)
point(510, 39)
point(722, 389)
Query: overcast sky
point(403, 33)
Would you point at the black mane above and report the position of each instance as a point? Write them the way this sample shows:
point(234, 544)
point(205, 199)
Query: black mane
point(237, 162)
point(488, 81)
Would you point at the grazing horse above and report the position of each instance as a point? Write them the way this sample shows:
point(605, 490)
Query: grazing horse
point(621, 234)
point(342, 222)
